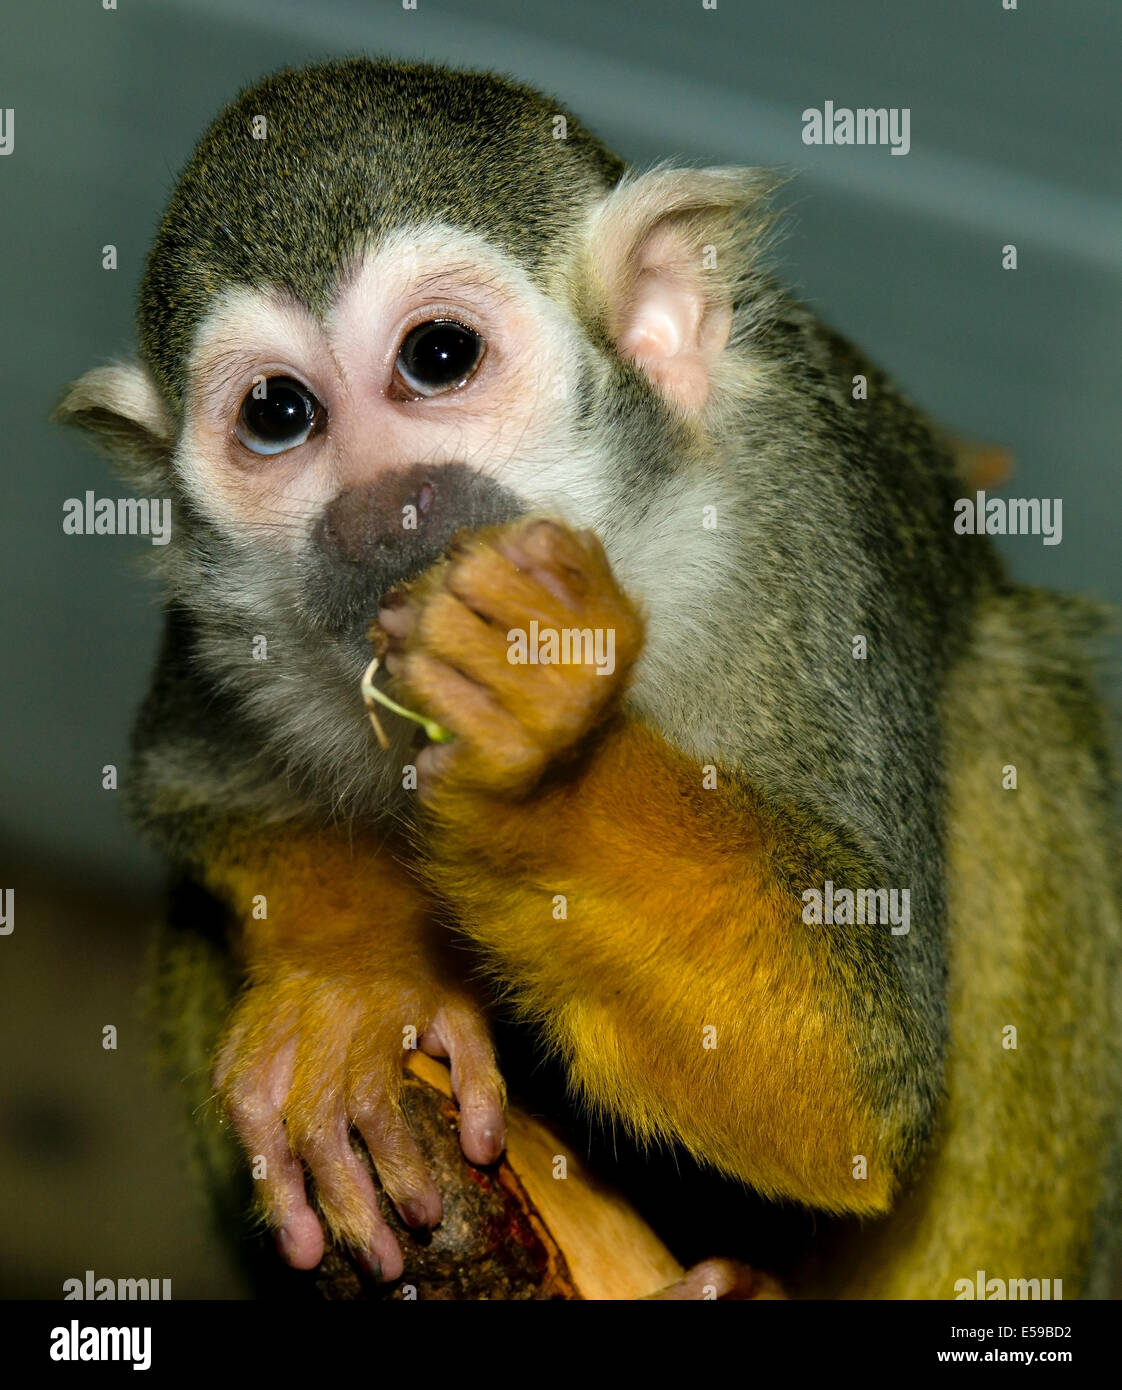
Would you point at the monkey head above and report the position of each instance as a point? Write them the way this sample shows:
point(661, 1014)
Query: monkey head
point(385, 303)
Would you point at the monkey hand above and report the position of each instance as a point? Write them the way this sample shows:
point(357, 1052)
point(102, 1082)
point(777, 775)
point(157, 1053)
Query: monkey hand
point(519, 644)
point(312, 1050)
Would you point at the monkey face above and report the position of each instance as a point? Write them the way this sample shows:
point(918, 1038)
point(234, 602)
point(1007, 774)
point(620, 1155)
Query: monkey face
point(444, 314)
point(437, 394)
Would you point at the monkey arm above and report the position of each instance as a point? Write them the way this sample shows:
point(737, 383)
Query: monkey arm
point(656, 930)
point(653, 927)
point(346, 971)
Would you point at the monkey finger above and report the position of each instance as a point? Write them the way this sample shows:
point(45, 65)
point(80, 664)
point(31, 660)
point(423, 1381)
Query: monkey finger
point(451, 631)
point(559, 559)
point(461, 1034)
point(552, 575)
point(493, 584)
point(493, 748)
point(462, 705)
point(348, 1200)
point(399, 1164)
point(448, 627)
point(397, 622)
point(299, 1238)
point(253, 1088)
point(283, 1194)
point(431, 764)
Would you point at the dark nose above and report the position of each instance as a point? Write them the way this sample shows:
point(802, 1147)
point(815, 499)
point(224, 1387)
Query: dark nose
point(370, 538)
point(363, 523)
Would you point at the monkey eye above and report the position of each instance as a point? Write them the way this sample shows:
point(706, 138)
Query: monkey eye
point(435, 357)
point(278, 414)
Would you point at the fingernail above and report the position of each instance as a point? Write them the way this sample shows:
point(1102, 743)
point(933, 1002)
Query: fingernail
point(414, 1214)
point(392, 598)
point(493, 1140)
point(369, 1263)
point(285, 1243)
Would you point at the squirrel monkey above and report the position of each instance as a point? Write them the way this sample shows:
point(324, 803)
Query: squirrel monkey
point(415, 347)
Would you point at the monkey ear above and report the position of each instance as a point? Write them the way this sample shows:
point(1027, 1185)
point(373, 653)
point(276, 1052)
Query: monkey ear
point(123, 410)
point(671, 253)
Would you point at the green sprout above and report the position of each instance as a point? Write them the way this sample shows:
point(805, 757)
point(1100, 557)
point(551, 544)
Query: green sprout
point(373, 697)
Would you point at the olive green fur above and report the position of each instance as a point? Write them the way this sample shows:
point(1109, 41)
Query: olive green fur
point(356, 149)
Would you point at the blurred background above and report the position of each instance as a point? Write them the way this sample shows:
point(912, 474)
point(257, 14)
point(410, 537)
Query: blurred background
point(1015, 138)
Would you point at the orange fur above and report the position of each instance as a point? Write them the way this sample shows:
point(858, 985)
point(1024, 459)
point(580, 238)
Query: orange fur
point(675, 922)
point(347, 959)
point(682, 909)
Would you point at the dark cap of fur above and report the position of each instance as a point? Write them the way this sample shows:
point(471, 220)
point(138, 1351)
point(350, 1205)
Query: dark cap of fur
point(354, 150)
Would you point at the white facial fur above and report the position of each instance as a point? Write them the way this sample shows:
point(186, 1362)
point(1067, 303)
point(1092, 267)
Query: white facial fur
point(512, 420)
